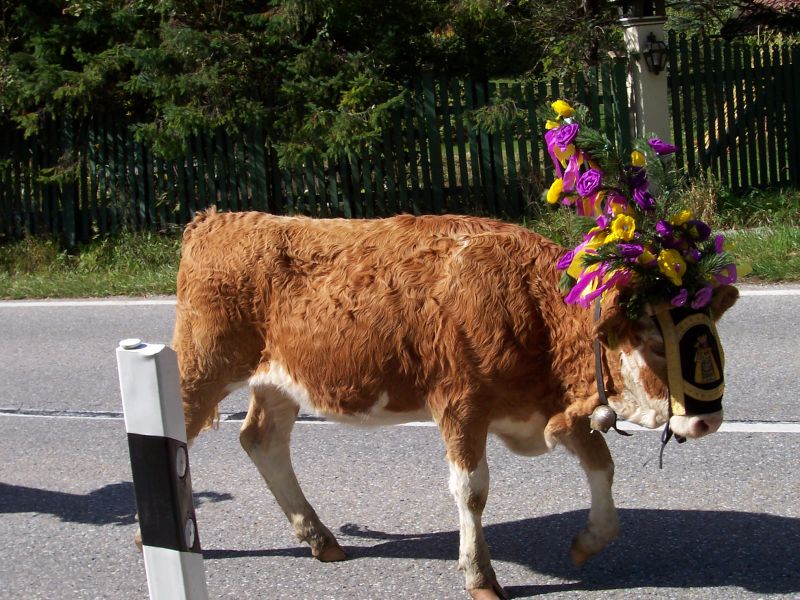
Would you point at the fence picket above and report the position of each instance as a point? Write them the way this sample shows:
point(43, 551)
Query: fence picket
point(769, 128)
point(778, 126)
point(461, 139)
point(749, 104)
point(451, 197)
point(431, 128)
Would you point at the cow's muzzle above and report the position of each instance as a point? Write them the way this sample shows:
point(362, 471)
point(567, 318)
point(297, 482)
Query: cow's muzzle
point(696, 426)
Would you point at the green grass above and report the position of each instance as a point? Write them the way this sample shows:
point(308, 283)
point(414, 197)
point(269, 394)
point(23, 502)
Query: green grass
point(128, 264)
point(773, 252)
point(764, 228)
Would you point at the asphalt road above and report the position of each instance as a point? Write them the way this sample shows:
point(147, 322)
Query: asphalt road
point(721, 520)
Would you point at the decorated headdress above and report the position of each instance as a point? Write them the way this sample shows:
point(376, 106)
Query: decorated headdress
point(650, 252)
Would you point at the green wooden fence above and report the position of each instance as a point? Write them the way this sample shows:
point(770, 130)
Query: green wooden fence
point(734, 111)
point(434, 158)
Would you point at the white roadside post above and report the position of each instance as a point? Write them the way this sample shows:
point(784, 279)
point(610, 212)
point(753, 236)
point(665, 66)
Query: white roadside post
point(148, 379)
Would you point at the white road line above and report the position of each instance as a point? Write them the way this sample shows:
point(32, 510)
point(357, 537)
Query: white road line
point(82, 303)
point(728, 426)
point(770, 292)
point(171, 301)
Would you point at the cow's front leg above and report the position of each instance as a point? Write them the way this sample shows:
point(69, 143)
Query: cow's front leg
point(603, 525)
point(469, 484)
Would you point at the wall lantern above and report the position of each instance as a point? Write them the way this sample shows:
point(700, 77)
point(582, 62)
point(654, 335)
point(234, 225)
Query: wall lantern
point(655, 54)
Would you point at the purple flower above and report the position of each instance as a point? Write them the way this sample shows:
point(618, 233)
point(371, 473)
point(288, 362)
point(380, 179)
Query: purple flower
point(728, 275)
point(664, 229)
point(615, 200)
point(602, 221)
point(638, 177)
point(644, 199)
point(698, 229)
point(589, 182)
point(550, 139)
point(681, 298)
point(565, 135)
point(566, 260)
point(571, 173)
point(702, 297)
point(630, 250)
point(660, 147)
point(719, 243)
point(692, 255)
point(594, 283)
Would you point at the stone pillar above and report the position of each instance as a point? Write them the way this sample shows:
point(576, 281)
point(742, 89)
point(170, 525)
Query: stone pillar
point(648, 94)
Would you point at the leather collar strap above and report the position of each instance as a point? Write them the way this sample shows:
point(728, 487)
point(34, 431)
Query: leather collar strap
point(598, 367)
point(598, 358)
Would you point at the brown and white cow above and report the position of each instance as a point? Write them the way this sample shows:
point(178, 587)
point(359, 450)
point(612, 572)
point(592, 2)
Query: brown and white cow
point(451, 318)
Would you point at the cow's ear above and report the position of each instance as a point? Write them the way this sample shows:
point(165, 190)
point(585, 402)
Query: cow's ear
point(614, 327)
point(724, 297)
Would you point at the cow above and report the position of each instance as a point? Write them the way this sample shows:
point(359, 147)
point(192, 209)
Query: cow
point(454, 319)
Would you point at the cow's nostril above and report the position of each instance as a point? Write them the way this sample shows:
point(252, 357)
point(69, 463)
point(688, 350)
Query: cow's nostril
point(702, 426)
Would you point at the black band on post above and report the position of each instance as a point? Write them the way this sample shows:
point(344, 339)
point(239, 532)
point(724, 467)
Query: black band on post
point(163, 496)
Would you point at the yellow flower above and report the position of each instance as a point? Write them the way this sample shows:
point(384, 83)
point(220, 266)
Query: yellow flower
point(638, 159)
point(562, 109)
point(681, 217)
point(743, 268)
point(551, 124)
point(646, 257)
point(564, 155)
point(554, 193)
point(576, 267)
point(622, 229)
point(672, 265)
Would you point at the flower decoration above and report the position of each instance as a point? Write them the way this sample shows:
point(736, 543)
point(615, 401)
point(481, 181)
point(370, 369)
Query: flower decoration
point(650, 252)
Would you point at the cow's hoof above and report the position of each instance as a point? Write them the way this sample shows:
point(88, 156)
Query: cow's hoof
point(493, 593)
point(578, 556)
point(332, 553)
point(137, 539)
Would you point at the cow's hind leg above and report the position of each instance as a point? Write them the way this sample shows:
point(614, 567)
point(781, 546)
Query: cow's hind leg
point(265, 436)
point(603, 525)
point(469, 484)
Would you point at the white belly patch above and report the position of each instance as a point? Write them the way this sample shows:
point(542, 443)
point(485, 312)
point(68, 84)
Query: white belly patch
point(378, 415)
point(524, 437)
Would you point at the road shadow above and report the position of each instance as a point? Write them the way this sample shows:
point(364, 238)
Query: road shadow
point(656, 549)
point(112, 504)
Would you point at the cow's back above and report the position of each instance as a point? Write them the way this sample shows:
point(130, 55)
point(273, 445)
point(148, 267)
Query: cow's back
point(359, 313)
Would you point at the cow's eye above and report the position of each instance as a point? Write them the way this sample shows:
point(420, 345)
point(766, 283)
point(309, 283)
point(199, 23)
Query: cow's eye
point(656, 348)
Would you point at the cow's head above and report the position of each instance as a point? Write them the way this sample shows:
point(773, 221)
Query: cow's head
point(667, 365)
